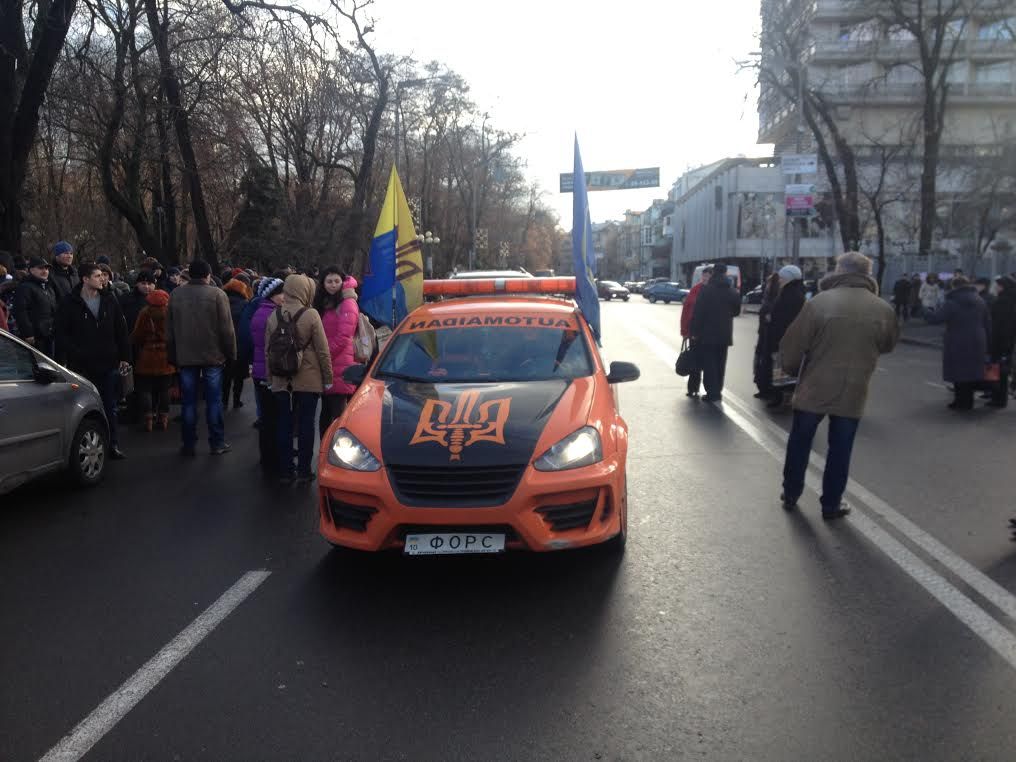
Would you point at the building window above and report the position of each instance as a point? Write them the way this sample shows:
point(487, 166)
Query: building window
point(1003, 29)
point(993, 74)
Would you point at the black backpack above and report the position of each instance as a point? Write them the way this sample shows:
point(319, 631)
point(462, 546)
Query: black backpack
point(284, 351)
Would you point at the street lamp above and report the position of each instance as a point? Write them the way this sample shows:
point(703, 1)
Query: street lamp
point(428, 239)
point(484, 160)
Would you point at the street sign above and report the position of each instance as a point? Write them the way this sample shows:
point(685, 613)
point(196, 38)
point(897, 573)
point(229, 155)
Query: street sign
point(615, 179)
point(800, 200)
point(799, 163)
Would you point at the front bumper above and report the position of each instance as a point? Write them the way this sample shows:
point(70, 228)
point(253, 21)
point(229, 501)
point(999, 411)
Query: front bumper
point(547, 511)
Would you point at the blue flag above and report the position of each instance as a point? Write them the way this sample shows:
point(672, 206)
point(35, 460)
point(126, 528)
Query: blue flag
point(582, 249)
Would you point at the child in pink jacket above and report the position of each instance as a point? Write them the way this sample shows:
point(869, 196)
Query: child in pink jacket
point(339, 315)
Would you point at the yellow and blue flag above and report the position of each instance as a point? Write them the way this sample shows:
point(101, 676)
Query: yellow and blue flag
point(583, 255)
point(393, 282)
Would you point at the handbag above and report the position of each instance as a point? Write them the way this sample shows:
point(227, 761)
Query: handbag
point(687, 361)
point(780, 376)
point(126, 381)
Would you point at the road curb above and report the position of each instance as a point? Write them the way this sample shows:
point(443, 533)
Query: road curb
point(920, 342)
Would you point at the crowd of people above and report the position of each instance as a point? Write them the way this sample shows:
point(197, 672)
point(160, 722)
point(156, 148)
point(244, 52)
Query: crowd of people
point(189, 333)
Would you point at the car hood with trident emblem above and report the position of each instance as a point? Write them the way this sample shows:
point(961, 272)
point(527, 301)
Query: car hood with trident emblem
point(467, 424)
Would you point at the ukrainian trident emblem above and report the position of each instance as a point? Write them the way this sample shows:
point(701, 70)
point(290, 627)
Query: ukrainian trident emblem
point(462, 423)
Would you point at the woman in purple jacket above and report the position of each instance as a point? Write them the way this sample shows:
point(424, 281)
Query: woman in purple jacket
point(336, 301)
point(270, 292)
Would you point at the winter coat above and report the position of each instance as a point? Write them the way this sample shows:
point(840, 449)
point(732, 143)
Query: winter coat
point(931, 296)
point(1003, 325)
point(258, 324)
point(244, 343)
point(967, 334)
point(200, 327)
point(149, 338)
point(901, 292)
point(785, 309)
point(315, 371)
point(688, 308)
point(837, 337)
point(88, 345)
point(35, 306)
point(712, 321)
point(64, 280)
point(132, 304)
point(340, 327)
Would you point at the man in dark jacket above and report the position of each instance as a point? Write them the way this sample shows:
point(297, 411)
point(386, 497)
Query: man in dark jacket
point(91, 339)
point(62, 277)
point(712, 330)
point(785, 309)
point(1003, 337)
point(136, 300)
point(901, 297)
point(35, 306)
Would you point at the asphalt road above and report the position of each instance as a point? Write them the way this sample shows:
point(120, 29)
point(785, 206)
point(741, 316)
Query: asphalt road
point(729, 629)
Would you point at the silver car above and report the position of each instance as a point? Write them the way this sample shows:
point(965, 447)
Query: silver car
point(51, 419)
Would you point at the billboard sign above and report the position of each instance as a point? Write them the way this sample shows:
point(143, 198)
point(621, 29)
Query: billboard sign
point(800, 200)
point(615, 179)
point(799, 163)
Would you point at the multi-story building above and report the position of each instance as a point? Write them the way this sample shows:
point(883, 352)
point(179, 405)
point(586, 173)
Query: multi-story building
point(731, 214)
point(866, 69)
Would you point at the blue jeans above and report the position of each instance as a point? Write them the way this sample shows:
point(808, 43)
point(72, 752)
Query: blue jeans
point(837, 468)
point(212, 375)
point(303, 405)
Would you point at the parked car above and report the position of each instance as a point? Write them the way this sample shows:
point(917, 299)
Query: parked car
point(608, 289)
point(666, 292)
point(53, 419)
point(754, 296)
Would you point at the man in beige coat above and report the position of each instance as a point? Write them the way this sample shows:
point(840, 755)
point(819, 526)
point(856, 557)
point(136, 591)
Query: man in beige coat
point(298, 395)
point(833, 346)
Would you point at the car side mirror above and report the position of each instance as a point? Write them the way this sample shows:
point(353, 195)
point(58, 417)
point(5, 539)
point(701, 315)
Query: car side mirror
point(45, 374)
point(623, 371)
point(354, 374)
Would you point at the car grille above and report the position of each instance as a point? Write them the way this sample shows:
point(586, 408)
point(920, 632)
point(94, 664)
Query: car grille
point(572, 516)
point(349, 516)
point(428, 486)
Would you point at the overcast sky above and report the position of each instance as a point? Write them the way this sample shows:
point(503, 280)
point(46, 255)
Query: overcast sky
point(644, 83)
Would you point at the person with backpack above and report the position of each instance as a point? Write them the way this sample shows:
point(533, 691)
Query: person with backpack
point(336, 301)
point(153, 374)
point(235, 373)
point(300, 368)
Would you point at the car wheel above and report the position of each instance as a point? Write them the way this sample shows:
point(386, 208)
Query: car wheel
point(652, 300)
point(617, 543)
point(666, 301)
point(607, 297)
point(625, 298)
point(87, 460)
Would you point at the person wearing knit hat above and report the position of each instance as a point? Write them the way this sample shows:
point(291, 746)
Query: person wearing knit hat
point(62, 276)
point(269, 296)
point(789, 273)
point(152, 372)
point(336, 301)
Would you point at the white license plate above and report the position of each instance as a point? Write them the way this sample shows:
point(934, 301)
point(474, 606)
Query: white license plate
point(452, 543)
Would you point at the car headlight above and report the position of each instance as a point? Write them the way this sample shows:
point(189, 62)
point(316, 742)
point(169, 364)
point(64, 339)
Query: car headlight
point(347, 452)
point(581, 448)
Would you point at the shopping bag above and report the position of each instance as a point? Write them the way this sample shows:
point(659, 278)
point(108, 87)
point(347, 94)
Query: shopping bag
point(126, 381)
point(687, 362)
point(781, 377)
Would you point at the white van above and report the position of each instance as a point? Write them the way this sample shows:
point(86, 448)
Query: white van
point(733, 272)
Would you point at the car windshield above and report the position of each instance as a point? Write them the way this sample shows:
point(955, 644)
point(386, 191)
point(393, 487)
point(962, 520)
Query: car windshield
point(487, 354)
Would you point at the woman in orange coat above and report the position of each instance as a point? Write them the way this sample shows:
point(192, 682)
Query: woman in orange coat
point(152, 373)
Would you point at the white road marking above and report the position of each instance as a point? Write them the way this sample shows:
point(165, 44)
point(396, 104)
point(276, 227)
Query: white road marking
point(88, 732)
point(1000, 639)
point(937, 385)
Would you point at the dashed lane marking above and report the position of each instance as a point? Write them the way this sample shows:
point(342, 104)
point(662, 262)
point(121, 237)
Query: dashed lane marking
point(88, 732)
point(976, 619)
